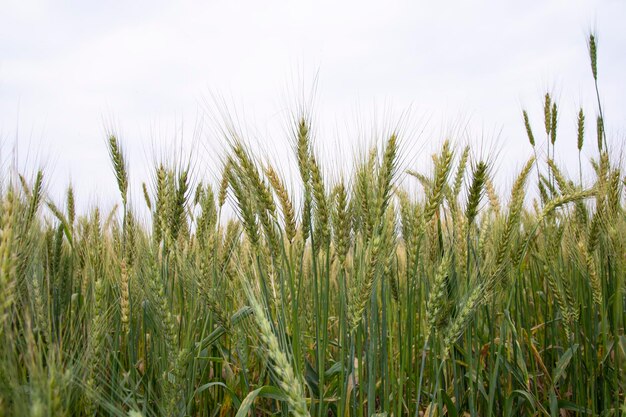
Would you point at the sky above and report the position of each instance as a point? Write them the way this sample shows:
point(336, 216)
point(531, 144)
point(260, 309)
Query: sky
point(164, 76)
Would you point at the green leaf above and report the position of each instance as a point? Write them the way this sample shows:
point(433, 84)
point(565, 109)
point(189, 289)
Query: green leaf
point(561, 365)
point(554, 404)
point(568, 405)
point(527, 396)
point(265, 391)
point(206, 386)
point(450, 406)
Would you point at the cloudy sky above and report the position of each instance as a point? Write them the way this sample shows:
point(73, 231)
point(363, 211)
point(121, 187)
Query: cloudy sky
point(162, 73)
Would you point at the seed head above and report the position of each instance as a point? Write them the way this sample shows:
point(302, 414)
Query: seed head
point(529, 132)
point(593, 55)
point(581, 129)
point(546, 113)
point(553, 124)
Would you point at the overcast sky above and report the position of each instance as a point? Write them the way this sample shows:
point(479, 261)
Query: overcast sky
point(152, 70)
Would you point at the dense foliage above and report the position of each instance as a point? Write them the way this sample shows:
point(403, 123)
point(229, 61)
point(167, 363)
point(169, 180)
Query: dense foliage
point(355, 298)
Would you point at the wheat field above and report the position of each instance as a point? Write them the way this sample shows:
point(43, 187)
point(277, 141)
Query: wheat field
point(349, 297)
